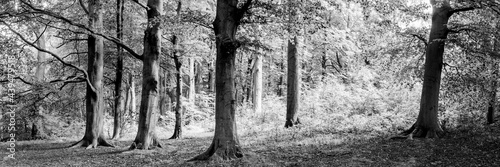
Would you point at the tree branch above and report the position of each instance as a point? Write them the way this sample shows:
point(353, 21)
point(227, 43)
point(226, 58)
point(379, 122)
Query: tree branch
point(18, 78)
point(461, 10)
point(140, 4)
point(421, 38)
point(53, 55)
point(83, 7)
point(112, 39)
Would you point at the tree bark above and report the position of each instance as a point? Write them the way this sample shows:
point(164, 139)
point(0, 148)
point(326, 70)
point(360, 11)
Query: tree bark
point(293, 85)
point(427, 124)
point(148, 113)
point(178, 77)
point(94, 99)
point(119, 91)
point(225, 143)
point(257, 84)
point(133, 107)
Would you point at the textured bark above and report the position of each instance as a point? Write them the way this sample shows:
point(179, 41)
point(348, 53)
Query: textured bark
point(257, 84)
point(178, 77)
point(293, 85)
point(119, 106)
point(225, 143)
point(148, 113)
point(94, 99)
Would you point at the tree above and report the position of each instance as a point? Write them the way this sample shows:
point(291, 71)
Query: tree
point(94, 135)
point(39, 76)
point(257, 84)
point(148, 114)
point(427, 124)
point(293, 75)
point(178, 77)
point(119, 106)
point(225, 142)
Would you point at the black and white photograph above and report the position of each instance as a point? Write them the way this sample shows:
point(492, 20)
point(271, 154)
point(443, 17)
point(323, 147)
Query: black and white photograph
point(250, 83)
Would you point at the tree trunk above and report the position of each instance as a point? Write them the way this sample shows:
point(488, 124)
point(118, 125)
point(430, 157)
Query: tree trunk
point(133, 105)
point(94, 135)
point(225, 143)
point(192, 87)
point(211, 78)
point(178, 108)
point(293, 85)
point(490, 116)
point(249, 80)
point(198, 80)
point(257, 84)
point(427, 124)
point(119, 91)
point(281, 78)
point(178, 77)
point(148, 113)
point(36, 127)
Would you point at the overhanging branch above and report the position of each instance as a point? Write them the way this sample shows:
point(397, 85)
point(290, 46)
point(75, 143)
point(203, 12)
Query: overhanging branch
point(53, 55)
point(59, 17)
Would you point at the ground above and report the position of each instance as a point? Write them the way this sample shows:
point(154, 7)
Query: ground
point(478, 147)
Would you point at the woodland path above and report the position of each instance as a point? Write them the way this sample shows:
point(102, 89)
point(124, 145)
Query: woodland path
point(461, 148)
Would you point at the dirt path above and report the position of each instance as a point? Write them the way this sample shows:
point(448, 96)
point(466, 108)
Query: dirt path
point(457, 149)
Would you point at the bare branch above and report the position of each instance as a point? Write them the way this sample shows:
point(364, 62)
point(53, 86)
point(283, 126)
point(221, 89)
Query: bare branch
point(53, 55)
point(112, 39)
point(18, 78)
point(140, 4)
point(83, 7)
point(461, 10)
point(421, 38)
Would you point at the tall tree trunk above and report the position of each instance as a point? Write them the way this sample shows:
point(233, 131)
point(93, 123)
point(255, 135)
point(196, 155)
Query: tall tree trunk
point(198, 80)
point(119, 91)
point(257, 84)
point(225, 143)
point(164, 93)
point(490, 116)
point(178, 65)
point(249, 80)
point(427, 124)
point(148, 113)
point(178, 108)
point(281, 78)
point(94, 135)
point(293, 84)
point(36, 127)
point(192, 87)
point(132, 96)
point(127, 108)
point(211, 78)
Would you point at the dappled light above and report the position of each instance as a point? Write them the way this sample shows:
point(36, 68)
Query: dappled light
point(249, 83)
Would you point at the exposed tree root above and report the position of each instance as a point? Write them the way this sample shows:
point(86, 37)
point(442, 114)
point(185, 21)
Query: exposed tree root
point(290, 123)
point(91, 144)
point(140, 145)
point(224, 153)
point(176, 135)
point(418, 132)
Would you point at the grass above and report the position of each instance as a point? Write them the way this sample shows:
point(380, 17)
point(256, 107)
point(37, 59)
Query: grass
point(279, 147)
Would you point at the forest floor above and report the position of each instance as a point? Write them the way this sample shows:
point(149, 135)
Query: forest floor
point(479, 147)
